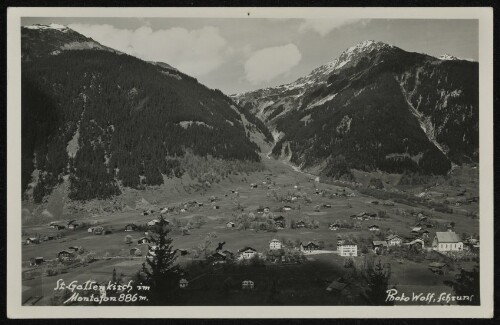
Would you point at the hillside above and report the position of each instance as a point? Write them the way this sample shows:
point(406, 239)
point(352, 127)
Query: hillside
point(375, 107)
point(103, 120)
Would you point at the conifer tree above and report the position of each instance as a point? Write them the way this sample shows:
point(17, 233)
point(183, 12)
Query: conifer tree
point(377, 278)
point(162, 274)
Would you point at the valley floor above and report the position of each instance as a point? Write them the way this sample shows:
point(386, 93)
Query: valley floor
point(298, 284)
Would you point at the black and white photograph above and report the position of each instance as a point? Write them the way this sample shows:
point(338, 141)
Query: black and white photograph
point(254, 159)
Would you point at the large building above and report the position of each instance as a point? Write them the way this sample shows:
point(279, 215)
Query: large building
point(447, 241)
point(347, 248)
point(275, 244)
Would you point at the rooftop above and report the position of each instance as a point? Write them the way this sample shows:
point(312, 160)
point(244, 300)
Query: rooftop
point(447, 237)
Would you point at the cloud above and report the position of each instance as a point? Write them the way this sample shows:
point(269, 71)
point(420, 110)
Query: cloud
point(325, 26)
point(268, 63)
point(195, 52)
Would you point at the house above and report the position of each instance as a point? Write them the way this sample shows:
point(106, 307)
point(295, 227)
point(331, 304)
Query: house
point(388, 203)
point(347, 248)
point(98, 230)
point(183, 210)
point(300, 224)
point(91, 229)
point(334, 226)
point(275, 244)
point(279, 222)
point(183, 283)
point(260, 210)
point(130, 227)
point(216, 207)
point(253, 185)
point(416, 229)
point(425, 234)
point(447, 241)
point(229, 254)
point(36, 261)
point(247, 285)
point(247, 253)
point(379, 246)
point(74, 248)
point(218, 258)
point(230, 224)
point(417, 243)
point(309, 247)
point(59, 227)
point(153, 222)
point(394, 240)
point(337, 286)
point(374, 228)
point(143, 240)
point(49, 237)
point(286, 208)
point(135, 251)
point(164, 210)
point(421, 217)
point(32, 240)
point(73, 226)
point(327, 206)
point(267, 210)
point(65, 255)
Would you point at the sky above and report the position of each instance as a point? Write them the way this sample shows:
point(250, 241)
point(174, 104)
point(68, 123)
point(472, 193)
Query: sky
point(237, 55)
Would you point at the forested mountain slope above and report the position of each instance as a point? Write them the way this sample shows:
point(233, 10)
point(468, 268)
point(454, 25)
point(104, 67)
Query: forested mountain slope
point(103, 119)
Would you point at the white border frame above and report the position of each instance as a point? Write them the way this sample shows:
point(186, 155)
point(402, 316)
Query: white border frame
point(14, 277)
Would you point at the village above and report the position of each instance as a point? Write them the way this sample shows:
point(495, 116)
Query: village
point(280, 222)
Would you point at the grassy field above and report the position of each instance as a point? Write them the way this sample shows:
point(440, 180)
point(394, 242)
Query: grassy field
point(303, 284)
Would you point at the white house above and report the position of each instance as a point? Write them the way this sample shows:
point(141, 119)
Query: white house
point(447, 241)
point(230, 224)
point(153, 222)
point(275, 244)
point(394, 240)
point(248, 253)
point(374, 228)
point(347, 248)
point(183, 283)
point(334, 226)
point(247, 284)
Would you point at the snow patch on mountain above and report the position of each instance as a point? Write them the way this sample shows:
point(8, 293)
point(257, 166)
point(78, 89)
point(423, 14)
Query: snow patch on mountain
point(321, 101)
point(425, 122)
point(446, 57)
point(186, 124)
point(59, 27)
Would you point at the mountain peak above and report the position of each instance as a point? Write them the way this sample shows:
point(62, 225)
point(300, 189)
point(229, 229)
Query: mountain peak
point(351, 55)
point(368, 45)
